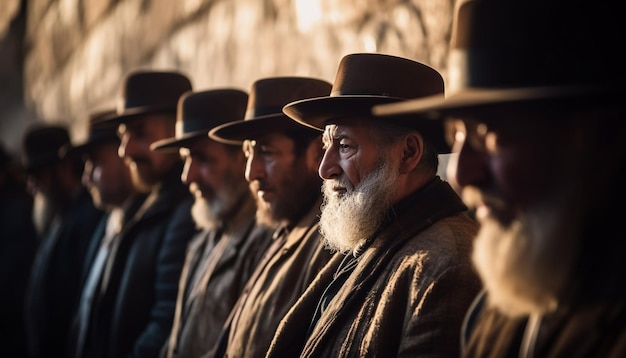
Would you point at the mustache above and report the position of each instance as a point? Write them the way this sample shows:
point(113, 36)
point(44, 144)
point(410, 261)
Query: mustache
point(473, 197)
point(340, 183)
point(257, 185)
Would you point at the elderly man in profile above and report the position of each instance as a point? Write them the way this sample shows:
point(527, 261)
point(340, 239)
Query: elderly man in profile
point(405, 279)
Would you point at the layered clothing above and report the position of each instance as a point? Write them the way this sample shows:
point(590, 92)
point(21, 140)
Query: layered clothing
point(405, 293)
point(133, 310)
point(218, 265)
point(294, 258)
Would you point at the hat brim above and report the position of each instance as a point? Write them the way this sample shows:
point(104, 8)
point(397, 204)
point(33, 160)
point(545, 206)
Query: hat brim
point(178, 142)
point(69, 149)
point(435, 107)
point(132, 113)
point(317, 112)
point(239, 131)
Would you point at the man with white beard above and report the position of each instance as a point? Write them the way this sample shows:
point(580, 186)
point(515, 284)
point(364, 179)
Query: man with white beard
point(541, 158)
point(404, 281)
point(67, 218)
point(220, 259)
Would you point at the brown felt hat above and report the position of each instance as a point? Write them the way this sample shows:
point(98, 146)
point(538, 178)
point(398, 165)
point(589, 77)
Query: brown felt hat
point(199, 112)
point(41, 144)
point(98, 133)
point(149, 92)
point(264, 113)
point(366, 79)
point(523, 52)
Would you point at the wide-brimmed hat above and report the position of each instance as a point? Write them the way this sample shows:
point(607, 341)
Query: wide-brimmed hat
point(264, 112)
point(41, 144)
point(524, 52)
point(149, 92)
point(97, 133)
point(366, 79)
point(199, 112)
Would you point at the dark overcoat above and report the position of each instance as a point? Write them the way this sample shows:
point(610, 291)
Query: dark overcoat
point(133, 316)
point(55, 279)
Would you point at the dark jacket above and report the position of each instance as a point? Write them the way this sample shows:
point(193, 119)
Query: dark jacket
point(18, 245)
point(55, 279)
point(284, 273)
point(219, 262)
point(407, 295)
point(133, 315)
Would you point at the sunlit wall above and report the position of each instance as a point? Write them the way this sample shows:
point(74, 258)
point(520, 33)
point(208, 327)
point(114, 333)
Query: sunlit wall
point(79, 50)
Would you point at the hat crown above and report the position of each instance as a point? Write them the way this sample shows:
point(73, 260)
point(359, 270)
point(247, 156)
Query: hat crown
point(99, 131)
point(535, 43)
point(153, 90)
point(201, 111)
point(268, 96)
point(41, 144)
point(374, 74)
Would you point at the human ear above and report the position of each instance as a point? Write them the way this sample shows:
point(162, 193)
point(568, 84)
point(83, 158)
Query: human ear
point(412, 150)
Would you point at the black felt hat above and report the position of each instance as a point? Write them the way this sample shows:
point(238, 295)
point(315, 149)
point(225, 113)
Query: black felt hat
point(149, 92)
point(199, 112)
point(523, 52)
point(41, 144)
point(98, 133)
point(366, 79)
point(264, 112)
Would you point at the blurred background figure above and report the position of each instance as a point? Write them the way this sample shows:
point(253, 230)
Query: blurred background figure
point(108, 180)
point(18, 244)
point(541, 157)
point(66, 218)
point(134, 304)
point(223, 255)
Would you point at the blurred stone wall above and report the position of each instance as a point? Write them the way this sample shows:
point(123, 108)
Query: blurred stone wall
point(78, 51)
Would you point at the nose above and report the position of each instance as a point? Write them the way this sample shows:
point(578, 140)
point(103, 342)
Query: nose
point(87, 173)
point(468, 168)
point(255, 168)
point(190, 172)
point(329, 167)
point(130, 147)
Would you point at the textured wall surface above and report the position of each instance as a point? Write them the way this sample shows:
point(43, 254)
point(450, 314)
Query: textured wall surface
point(78, 51)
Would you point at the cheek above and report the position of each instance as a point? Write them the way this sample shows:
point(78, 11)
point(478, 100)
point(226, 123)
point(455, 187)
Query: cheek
point(525, 174)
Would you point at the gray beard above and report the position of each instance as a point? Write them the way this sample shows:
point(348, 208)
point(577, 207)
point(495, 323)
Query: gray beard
point(210, 214)
point(350, 219)
point(526, 264)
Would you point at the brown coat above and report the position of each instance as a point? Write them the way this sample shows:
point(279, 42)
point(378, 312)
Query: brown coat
point(275, 286)
point(407, 296)
point(588, 330)
point(223, 263)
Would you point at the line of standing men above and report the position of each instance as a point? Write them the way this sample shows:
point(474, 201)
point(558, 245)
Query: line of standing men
point(146, 292)
point(398, 280)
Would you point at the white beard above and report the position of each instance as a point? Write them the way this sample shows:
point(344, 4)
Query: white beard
point(350, 219)
point(525, 265)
